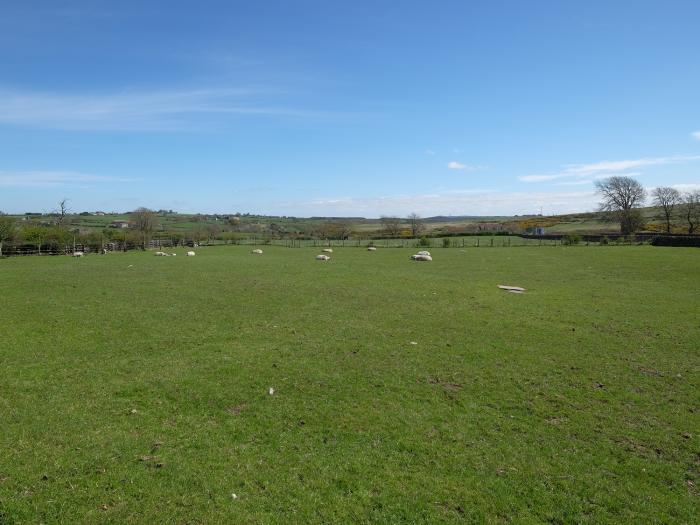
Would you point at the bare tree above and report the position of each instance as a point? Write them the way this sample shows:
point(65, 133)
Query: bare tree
point(622, 196)
point(62, 211)
point(690, 209)
point(391, 226)
point(416, 224)
point(144, 223)
point(666, 198)
point(344, 229)
point(7, 229)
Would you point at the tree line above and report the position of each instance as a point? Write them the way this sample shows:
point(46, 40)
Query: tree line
point(622, 198)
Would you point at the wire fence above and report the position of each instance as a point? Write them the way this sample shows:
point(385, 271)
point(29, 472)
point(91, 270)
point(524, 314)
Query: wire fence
point(466, 241)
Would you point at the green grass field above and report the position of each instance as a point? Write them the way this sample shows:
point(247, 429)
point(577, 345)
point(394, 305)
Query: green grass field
point(134, 388)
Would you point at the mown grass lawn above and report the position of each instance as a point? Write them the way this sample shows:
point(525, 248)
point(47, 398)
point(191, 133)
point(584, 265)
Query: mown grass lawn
point(134, 388)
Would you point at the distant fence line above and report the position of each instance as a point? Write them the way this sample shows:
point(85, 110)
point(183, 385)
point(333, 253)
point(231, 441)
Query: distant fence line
point(467, 241)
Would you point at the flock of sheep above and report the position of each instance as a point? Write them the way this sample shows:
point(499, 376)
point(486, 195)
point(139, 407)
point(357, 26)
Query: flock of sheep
point(163, 254)
point(420, 256)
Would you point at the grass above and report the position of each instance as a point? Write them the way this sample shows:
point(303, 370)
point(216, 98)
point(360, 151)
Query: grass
point(134, 389)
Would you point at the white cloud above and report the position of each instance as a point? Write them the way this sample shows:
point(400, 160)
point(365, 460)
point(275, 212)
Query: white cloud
point(696, 135)
point(608, 168)
point(136, 111)
point(34, 179)
point(465, 202)
point(687, 187)
point(454, 165)
point(430, 152)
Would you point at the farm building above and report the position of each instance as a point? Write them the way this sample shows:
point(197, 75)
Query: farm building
point(119, 224)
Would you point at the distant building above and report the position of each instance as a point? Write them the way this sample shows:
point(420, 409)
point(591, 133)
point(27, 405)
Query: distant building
point(119, 224)
point(100, 213)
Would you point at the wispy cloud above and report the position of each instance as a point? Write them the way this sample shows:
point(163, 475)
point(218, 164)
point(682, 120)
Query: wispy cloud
point(139, 111)
point(455, 165)
point(607, 168)
point(464, 202)
point(687, 187)
point(696, 135)
point(591, 180)
point(34, 179)
point(430, 152)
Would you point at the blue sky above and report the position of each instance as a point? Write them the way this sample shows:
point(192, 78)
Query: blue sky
point(344, 108)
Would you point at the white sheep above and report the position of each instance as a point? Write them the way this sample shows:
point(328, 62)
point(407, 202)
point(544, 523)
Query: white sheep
point(327, 250)
point(322, 257)
point(78, 254)
point(257, 251)
point(420, 257)
point(161, 254)
point(371, 249)
point(423, 253)
point(191, 254)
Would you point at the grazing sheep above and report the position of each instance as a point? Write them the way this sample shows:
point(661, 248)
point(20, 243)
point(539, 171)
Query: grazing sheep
point(191, 254)
point(257, 251)
point(327, 250)
point(161, 254)
point(423, 253)
point(78, 254)
point(322, 257)
point(173, 254)
point(420, 257)
point(371, 249)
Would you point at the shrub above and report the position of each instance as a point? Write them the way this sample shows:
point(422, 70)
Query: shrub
point(446, 242)
point(424, 242)
point(572, 239)
point(669, 240)
point(604, 241)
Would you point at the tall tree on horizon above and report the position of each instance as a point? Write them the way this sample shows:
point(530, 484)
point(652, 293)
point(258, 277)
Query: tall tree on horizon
point(144, 223)
point(416, 224)
point(622, 196)
point(690, 208)
point(666, 198)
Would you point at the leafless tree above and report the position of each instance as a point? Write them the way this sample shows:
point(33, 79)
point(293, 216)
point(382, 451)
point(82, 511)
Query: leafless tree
point(416, 224)
point(62, 211)
point(144, 223)
point(690, 209)
point(667, 199)
point(343, 229)
point(391, 226)
point(7, 229)
point(622, 196)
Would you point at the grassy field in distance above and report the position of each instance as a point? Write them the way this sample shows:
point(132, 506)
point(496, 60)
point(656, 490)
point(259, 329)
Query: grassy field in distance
point(134, 388)
point(581, 223)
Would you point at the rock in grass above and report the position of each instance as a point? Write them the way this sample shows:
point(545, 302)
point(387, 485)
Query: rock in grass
point(511, 289)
